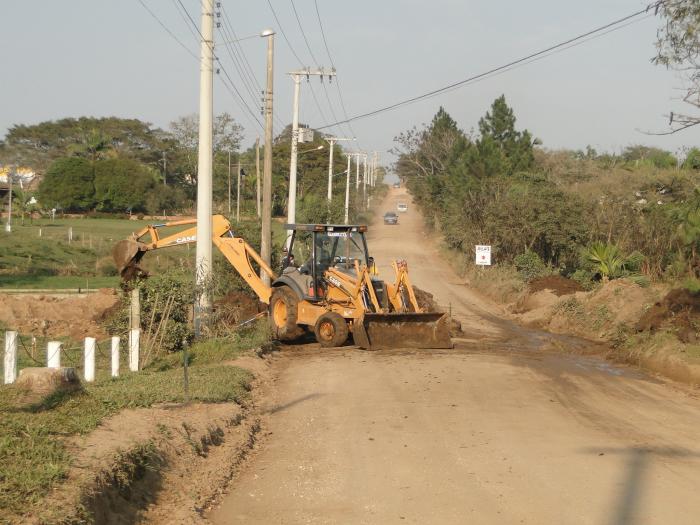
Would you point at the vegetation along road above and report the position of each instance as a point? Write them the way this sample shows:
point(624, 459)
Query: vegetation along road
point(502, 429)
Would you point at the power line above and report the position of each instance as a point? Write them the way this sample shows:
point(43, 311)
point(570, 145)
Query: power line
point(337, 81)
point(289, 44)
point(222, 68)
point(526, 59)
point(303, 33)
point(168, 30)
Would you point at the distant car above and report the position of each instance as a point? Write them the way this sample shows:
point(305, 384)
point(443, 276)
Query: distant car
point(397, 185)
point(402, 207)
point(391, 218)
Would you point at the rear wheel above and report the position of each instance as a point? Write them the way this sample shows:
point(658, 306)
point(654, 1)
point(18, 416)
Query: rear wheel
point(331, 330)
point(283, 314)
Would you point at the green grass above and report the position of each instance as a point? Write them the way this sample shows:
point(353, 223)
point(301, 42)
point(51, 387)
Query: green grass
point(58, 282)
point(33, 457)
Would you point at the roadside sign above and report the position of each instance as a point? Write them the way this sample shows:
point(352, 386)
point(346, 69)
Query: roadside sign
point(483, 255)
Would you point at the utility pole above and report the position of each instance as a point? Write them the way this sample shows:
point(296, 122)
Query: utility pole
point(357, 174)
point(332, 141)
point(203, 257)
point(347, 192)
point(165, 170)
point(364, 179)
point(257, 174)
point(8, 224)
point(266, 240)
point(238, 193)
point(229, 183)
point(292, 200)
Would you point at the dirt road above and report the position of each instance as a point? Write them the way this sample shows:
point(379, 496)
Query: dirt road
point(505, 428)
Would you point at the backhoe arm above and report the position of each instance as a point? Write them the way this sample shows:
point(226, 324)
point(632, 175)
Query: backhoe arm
point(237, 251)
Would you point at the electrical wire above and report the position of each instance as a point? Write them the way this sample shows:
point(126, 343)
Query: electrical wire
point(187, 49)
point(303, 33)
point(301, 63)
point(337, 80)
point(232, 86)
point(604, 29)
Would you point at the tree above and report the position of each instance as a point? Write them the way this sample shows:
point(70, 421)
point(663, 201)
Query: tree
point(497, 129)
point(69, 185)
point(122, 185)
point(678, 47)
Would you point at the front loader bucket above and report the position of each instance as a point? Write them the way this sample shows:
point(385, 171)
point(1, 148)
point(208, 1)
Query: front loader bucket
point(126, 255)
point(396, 330)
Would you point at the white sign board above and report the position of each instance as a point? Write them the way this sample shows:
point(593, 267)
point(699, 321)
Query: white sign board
point(483, 255)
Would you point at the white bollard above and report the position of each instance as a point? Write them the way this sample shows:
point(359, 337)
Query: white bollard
point(115, 357)
point(89, 372)
point(134, 339)
point(10, 357)
point(53, 354)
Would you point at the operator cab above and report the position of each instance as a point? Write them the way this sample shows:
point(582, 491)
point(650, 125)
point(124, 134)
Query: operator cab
point(314, 248)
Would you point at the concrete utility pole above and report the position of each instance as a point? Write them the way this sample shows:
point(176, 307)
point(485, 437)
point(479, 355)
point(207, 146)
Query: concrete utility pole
point(257, 175)
point(364, 177)
point(229, 184)
point(332, 141)
point(8, 224)
point(238, 194)
point(292, 199)
point(347, 192)
point(266, 240)
point(203, 257)
point(357, 174)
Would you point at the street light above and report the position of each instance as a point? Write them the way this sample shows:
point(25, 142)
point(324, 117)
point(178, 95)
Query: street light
point(310, 150)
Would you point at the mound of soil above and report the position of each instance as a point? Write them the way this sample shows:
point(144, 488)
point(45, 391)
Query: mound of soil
point(74, 316)
point(556, 284)
point(680, 309)
point(237, 307)
point(426, 301)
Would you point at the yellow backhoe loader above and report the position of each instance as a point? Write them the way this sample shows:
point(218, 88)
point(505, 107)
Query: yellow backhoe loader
point(334, 291)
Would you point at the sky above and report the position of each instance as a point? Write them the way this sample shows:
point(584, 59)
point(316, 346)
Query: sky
point(112, 58)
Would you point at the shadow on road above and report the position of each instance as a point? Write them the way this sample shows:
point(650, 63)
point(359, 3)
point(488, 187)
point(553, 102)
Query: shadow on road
point(285, 406)
point(628, 510)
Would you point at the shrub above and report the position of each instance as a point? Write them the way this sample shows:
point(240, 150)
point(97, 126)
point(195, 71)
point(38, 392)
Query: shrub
point(530, 266)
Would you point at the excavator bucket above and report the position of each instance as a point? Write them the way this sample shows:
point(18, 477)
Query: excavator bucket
point(126, 255)
point(402, 330)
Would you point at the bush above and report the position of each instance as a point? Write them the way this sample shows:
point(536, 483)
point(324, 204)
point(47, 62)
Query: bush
point(530, 266)
point(69, 184)
point(166, 303)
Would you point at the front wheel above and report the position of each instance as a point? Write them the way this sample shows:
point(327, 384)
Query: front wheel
point(283, 314)
point(331, 330)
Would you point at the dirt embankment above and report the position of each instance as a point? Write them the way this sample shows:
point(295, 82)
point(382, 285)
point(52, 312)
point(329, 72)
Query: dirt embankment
point(159, 465)
point(45, 315)
point(647, 327)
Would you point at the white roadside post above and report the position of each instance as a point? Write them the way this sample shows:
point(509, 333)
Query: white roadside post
point(115, 357)
point(10, 361)
point(53, 354)
point(89, 365)
point(134, 341)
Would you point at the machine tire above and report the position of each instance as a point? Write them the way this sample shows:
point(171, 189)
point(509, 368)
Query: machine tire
point(331, 330)
point(283, 314)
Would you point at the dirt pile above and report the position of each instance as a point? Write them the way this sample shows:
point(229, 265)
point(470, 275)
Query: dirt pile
point(602, 314)
point(237, 307)
point(74, 316)
point(426, 301)
point(680, 310)
point(557, 284)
